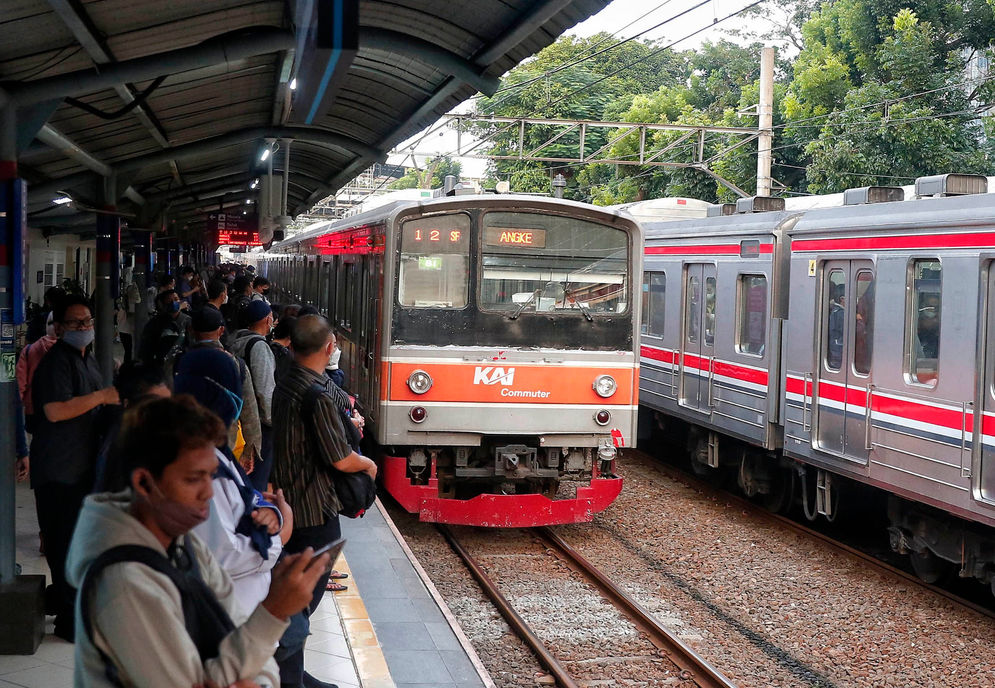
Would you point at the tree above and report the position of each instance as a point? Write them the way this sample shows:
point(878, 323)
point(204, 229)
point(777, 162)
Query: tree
point(431, 177)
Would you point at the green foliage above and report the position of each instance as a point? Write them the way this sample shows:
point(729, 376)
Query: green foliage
point(875, 95)
point(431, 176)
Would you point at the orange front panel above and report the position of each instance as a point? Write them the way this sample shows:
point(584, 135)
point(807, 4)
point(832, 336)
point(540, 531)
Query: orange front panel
point(511, 383)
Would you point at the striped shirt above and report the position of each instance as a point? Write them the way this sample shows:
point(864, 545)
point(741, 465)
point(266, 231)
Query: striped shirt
point(304, 450)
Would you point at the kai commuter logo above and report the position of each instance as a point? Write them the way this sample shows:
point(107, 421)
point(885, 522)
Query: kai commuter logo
point(492, 375)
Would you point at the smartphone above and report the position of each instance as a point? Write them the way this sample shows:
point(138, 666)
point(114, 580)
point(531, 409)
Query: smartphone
point(333, 548)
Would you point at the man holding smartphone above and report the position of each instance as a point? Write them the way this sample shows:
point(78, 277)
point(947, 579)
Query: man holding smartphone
point(305, 452)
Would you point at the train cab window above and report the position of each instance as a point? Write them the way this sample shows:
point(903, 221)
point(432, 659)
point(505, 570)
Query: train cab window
point(751, 330)
point(547, 263)
point(435, 257)
point(835, 319)
point(863, 322)
point(922, 330)
point(654, 296)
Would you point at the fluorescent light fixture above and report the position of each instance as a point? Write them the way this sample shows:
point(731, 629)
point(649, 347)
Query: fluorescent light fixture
point(254, 184)
point(265, 156)
point(248, 201)
point(62, 200)
point(293, 84)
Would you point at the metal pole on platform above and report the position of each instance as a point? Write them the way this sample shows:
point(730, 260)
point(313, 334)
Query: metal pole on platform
point(8, 386)
point(108, 257)
point(143, 251)
point(765, 109)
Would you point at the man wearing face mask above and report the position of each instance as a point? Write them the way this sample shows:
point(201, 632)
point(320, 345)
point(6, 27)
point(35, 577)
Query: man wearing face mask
point(250, 345)
point(217, 298)
point(163, 612)
point(164, 330)
point(67, 393)
point(260, 289)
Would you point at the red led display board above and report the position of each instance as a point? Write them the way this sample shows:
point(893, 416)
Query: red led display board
point(234, 230)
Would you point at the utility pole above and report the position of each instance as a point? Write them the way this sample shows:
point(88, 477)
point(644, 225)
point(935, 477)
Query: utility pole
point(765, 109)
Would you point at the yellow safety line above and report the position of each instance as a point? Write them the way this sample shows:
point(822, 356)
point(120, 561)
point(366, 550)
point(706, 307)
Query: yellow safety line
point(371, 666)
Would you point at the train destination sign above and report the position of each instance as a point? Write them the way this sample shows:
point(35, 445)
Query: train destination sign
point(449, 234)
point(234, 230)
point(509, 236)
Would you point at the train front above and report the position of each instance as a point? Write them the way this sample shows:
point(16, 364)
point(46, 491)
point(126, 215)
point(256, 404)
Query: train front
point(510, 380)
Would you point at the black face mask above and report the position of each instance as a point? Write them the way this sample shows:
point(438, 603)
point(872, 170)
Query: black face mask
point(266, 292)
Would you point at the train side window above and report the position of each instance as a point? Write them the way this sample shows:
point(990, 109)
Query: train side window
point(691, 317)
point(751, 330)
point(922, 317)
point(863, 322)
point(709, 311)
point(654, 297)
point(835, 311)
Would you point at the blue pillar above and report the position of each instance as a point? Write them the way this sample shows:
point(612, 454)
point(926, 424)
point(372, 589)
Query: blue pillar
point(106, 288)
point(142, 276)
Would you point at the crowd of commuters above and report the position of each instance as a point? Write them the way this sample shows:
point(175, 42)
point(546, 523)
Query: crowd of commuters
point(180, 508)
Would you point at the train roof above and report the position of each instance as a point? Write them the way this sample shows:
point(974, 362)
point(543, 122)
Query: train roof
point(916, 214)
point(383, 212)
point(723, 225)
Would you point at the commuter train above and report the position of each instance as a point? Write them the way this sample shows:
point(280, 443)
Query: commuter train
point(818, 352)
point(491, 340)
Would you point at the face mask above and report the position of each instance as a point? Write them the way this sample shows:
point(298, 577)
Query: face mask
point(333, 360)
point(174, 518)
point(265, 292)
point(174, 306)
point(78, 339)
point(50, 328)
point(224, 300)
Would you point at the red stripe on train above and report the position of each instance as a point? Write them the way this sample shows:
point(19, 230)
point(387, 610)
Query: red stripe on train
point(723, 368)
point(703, 249)
point(949, 240)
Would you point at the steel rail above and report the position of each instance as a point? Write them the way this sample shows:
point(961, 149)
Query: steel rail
point(517, 623)
point(691, 481)
point(691, 664)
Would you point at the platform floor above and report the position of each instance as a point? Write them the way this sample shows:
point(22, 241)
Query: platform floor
point(386, 630)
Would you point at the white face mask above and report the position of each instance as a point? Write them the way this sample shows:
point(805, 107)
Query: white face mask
point(225, 300)
point(50, 327)
point(333, 360)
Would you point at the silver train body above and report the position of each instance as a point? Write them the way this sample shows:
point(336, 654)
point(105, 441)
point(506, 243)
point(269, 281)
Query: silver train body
point(479, 333)
point(818, 350)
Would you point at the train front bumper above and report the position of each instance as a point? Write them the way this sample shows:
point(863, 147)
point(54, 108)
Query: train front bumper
point(496, 511)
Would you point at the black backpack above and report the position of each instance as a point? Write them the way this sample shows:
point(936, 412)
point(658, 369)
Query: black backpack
point(206, 620)
point(356, 491)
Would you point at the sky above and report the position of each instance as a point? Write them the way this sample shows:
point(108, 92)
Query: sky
point(625, 18)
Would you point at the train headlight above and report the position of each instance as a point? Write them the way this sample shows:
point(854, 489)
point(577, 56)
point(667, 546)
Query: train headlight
point(419, 382)
point(605, 385)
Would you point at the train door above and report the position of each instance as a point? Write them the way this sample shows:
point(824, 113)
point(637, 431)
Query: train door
point(841, 395)
point(985, 485)
point(698, 344)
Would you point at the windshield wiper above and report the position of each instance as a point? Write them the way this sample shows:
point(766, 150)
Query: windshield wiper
point(524, 304)
point(583, 309)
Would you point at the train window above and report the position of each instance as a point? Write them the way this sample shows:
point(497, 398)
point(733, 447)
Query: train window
point(835, 319)
point(654, 296)
point(709, 311)
point(435, 257)
point(922, 333)
point(693, 306)
point(751, 331)
point(550, 263)
point(863, 322)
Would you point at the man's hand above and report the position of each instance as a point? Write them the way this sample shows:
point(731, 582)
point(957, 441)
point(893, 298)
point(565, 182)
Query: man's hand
point(278, 500)
point(109, 395)
point(267, 518)
point(22, 468)
point(371, 470)
point(292, 585)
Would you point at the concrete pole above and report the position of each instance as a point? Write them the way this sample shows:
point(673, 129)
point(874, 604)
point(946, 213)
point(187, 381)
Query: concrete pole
point(765, 109)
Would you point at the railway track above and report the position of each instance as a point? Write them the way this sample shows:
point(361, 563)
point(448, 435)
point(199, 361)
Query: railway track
point(678, 475)
point(691, 668)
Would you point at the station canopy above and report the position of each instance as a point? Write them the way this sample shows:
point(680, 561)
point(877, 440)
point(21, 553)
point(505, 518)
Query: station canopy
point(162, 109)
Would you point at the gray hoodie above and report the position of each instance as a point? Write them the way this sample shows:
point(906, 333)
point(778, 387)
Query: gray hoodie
point(263, 368)
point(138, 615)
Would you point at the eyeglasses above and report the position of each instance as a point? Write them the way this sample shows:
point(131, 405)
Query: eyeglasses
point(80, 324)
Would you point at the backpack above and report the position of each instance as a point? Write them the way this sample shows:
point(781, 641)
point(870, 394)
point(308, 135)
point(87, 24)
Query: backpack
point(356, 491)
point(205, 619)
point(283, 359)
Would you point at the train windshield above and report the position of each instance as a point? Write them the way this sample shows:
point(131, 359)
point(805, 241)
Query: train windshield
point(548, 263)
point(435, 254)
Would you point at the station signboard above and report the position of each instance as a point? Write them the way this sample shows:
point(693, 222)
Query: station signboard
point(234, 229)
